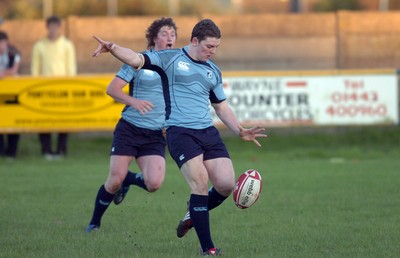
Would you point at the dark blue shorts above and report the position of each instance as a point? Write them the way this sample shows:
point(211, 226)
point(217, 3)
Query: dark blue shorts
point(185, 144)
point(130, 140)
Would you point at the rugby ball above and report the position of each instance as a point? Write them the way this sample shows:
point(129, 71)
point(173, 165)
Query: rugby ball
point(247, 189)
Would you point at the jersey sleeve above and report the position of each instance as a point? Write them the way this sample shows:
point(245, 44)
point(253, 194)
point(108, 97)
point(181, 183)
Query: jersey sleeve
point(160, 58)
point(217, 94)
point(151, 59)
point(126, 73)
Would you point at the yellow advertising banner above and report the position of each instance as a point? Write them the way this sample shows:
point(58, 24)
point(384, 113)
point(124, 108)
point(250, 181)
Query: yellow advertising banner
point(66, 104)
point(80, 104)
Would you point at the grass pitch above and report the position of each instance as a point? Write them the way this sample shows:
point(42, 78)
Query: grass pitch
point(324, 195)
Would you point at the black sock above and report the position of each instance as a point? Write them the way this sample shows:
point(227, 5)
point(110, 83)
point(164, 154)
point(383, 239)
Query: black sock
point(103, 200)
point(201, 222)
point(134, 179)
point(214, 198)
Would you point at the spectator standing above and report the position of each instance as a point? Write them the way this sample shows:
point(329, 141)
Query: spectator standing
point(9, 64)
point(53, 55)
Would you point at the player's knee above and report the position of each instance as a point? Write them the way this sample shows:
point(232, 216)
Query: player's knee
point(153, 186)
point(113, 184)
point(111, 187)
point(225, 189)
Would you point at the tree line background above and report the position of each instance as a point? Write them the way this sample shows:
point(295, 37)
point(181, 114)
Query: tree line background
point(33, 9)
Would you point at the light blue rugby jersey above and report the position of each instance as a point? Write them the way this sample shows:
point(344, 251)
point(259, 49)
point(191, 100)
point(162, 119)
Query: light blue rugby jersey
point(192, 86)
point(146, 85)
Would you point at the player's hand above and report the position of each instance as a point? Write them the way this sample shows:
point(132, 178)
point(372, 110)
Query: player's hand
point(142, 106)
point(104, 46)
point(251, 134)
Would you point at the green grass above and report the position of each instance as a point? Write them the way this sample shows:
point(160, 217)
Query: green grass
point(325, 195)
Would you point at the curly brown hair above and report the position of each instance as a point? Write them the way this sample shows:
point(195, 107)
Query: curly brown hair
point(154, 28)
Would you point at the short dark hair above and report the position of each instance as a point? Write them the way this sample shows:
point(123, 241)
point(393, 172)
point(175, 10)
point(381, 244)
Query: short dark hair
point(3, 35)
point(154, 28)
point(205, 28)
point(53, 20)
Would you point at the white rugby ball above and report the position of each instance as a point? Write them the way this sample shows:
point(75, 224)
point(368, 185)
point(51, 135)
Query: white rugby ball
point(247, 189)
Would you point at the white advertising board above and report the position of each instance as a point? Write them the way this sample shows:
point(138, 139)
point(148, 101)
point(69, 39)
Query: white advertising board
point(314, 100)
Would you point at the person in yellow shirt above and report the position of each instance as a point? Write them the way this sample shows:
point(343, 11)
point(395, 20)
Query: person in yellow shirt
point(53, 55)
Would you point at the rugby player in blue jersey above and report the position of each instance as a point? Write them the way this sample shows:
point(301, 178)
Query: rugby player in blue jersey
point(193, 142)
point(138, 134)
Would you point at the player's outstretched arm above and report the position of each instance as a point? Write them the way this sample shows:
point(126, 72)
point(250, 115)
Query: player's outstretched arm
point(125, 55)
point(225, 113)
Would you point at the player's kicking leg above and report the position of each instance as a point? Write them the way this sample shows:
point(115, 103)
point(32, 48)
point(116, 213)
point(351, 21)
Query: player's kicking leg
point(217, 194)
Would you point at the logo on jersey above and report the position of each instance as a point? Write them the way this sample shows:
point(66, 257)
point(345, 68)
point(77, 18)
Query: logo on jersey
point(181, 157)
point(183, 66)
point(209, 74)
